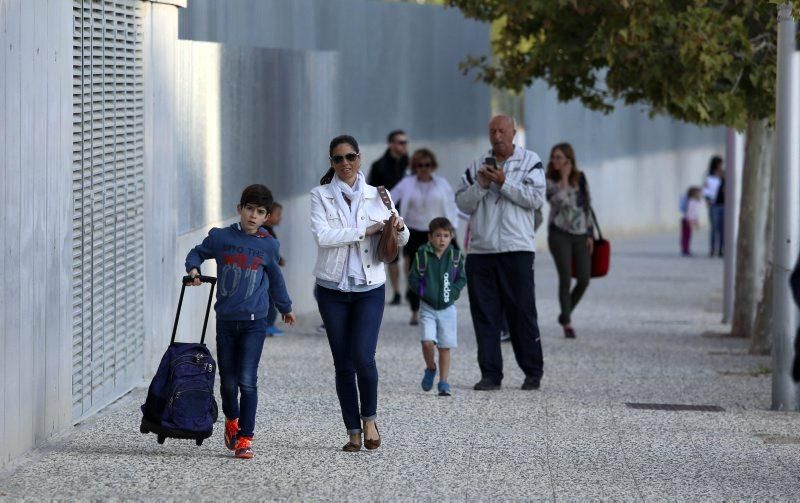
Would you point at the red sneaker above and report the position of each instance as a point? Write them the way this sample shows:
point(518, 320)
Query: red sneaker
point(244, 448)
point(231, 430)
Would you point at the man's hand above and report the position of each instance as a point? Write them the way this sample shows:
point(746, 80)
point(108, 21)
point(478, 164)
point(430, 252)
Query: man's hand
point(194, 273)
point(483, 178)
point(496, 176)
point(590, 245)
point(289, 318)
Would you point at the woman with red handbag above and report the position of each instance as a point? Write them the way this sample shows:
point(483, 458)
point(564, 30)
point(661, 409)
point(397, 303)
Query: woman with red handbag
point(570, 231)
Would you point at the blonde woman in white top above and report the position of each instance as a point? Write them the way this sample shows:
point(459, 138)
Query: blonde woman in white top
point(422, 197)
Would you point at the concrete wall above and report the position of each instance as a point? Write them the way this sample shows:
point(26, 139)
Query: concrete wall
point(36, 222)
point(637, 167)
point(399, 64)
point(162, 202)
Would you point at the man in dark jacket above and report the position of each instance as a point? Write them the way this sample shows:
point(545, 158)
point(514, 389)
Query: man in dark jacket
point(390, 169)
point(387, 171)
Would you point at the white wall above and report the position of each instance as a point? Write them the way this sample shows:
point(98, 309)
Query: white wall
point(162, 198)
point(35, 222)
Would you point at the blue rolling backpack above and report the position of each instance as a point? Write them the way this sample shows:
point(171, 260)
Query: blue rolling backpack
point(180, 401)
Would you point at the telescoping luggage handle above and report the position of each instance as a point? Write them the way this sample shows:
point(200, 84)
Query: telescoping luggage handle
point(184, 282)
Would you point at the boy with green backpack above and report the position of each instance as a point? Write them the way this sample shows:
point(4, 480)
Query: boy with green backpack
point(437, 276)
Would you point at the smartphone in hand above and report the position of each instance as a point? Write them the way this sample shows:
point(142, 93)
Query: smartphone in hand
point(491, 162)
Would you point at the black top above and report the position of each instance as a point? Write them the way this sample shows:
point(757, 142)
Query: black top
point(387, 171)
point(721, 194)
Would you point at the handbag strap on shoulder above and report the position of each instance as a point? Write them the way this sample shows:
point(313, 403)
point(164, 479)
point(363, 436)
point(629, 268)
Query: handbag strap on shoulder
point(385, 197)
point(596, 224)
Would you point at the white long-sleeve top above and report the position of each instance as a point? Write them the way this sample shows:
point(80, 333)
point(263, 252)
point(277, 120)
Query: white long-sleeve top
point(420, 202)
point(711, 188)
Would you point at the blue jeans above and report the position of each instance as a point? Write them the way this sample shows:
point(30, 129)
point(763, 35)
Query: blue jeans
point(717, 215)
point(239, 345)
point(352, 321)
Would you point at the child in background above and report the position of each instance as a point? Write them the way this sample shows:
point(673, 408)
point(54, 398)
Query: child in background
point(690, 208)
point(437, 275)
point(273, 221)
point(247, 278)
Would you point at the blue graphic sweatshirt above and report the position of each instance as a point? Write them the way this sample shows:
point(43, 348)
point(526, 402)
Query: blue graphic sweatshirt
point(247, 272)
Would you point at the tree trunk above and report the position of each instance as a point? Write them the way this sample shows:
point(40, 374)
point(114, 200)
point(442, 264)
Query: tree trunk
point(750, 247)
point(761, 344)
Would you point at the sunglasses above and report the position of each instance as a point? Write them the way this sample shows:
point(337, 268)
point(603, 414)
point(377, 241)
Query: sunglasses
point(423, 165)
point(401, 142)
point(351, 157)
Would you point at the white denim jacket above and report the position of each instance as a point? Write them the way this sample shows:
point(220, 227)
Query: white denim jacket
point(334, 239)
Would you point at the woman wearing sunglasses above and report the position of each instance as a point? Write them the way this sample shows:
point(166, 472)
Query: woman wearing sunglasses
point(422, 197)
point(347, 217)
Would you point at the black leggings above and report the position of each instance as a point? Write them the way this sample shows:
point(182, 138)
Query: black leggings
point(565, 248)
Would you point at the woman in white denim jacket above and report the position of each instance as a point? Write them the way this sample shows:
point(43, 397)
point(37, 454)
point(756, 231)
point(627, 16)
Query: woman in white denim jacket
point(347, 217)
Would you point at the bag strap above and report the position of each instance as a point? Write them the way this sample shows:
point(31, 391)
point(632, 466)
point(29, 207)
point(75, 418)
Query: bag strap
point(596, 224)
point(385, 197)
point(455, 258)
point(582, 187)
point(422, 265)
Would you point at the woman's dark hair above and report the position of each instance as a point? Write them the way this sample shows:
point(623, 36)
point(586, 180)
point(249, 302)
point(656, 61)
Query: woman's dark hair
point(714, 164)
point(569, 153)
point(344, 138)
point(423, 153)
point(257, 195)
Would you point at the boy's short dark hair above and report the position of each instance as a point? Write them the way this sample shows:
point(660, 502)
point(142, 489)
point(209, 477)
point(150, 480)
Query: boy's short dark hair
point(440, 223)
point(258, 195)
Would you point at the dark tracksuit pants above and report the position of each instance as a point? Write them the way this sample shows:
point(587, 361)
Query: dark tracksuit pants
point(499, 282)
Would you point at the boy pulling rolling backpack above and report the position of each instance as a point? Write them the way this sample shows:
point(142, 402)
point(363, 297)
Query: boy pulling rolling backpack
point(180, 401)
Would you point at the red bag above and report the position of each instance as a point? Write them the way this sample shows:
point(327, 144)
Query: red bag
point(601, 258)
point(601, 254)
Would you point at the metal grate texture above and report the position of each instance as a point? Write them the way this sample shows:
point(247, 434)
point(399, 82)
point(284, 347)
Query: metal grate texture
point(108, 197)
point(675, 407)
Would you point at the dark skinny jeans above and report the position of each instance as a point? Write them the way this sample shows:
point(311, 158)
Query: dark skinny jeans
point(352, 321)
point(565, 248)
point(239, 345)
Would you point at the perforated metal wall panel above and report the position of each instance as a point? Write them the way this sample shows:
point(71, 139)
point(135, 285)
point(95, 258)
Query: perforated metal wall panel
point(108, 192)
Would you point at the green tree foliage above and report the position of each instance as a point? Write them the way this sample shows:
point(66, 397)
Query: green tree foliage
point(708, 62)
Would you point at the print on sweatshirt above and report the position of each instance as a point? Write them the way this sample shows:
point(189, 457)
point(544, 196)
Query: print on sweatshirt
point(247, 272)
